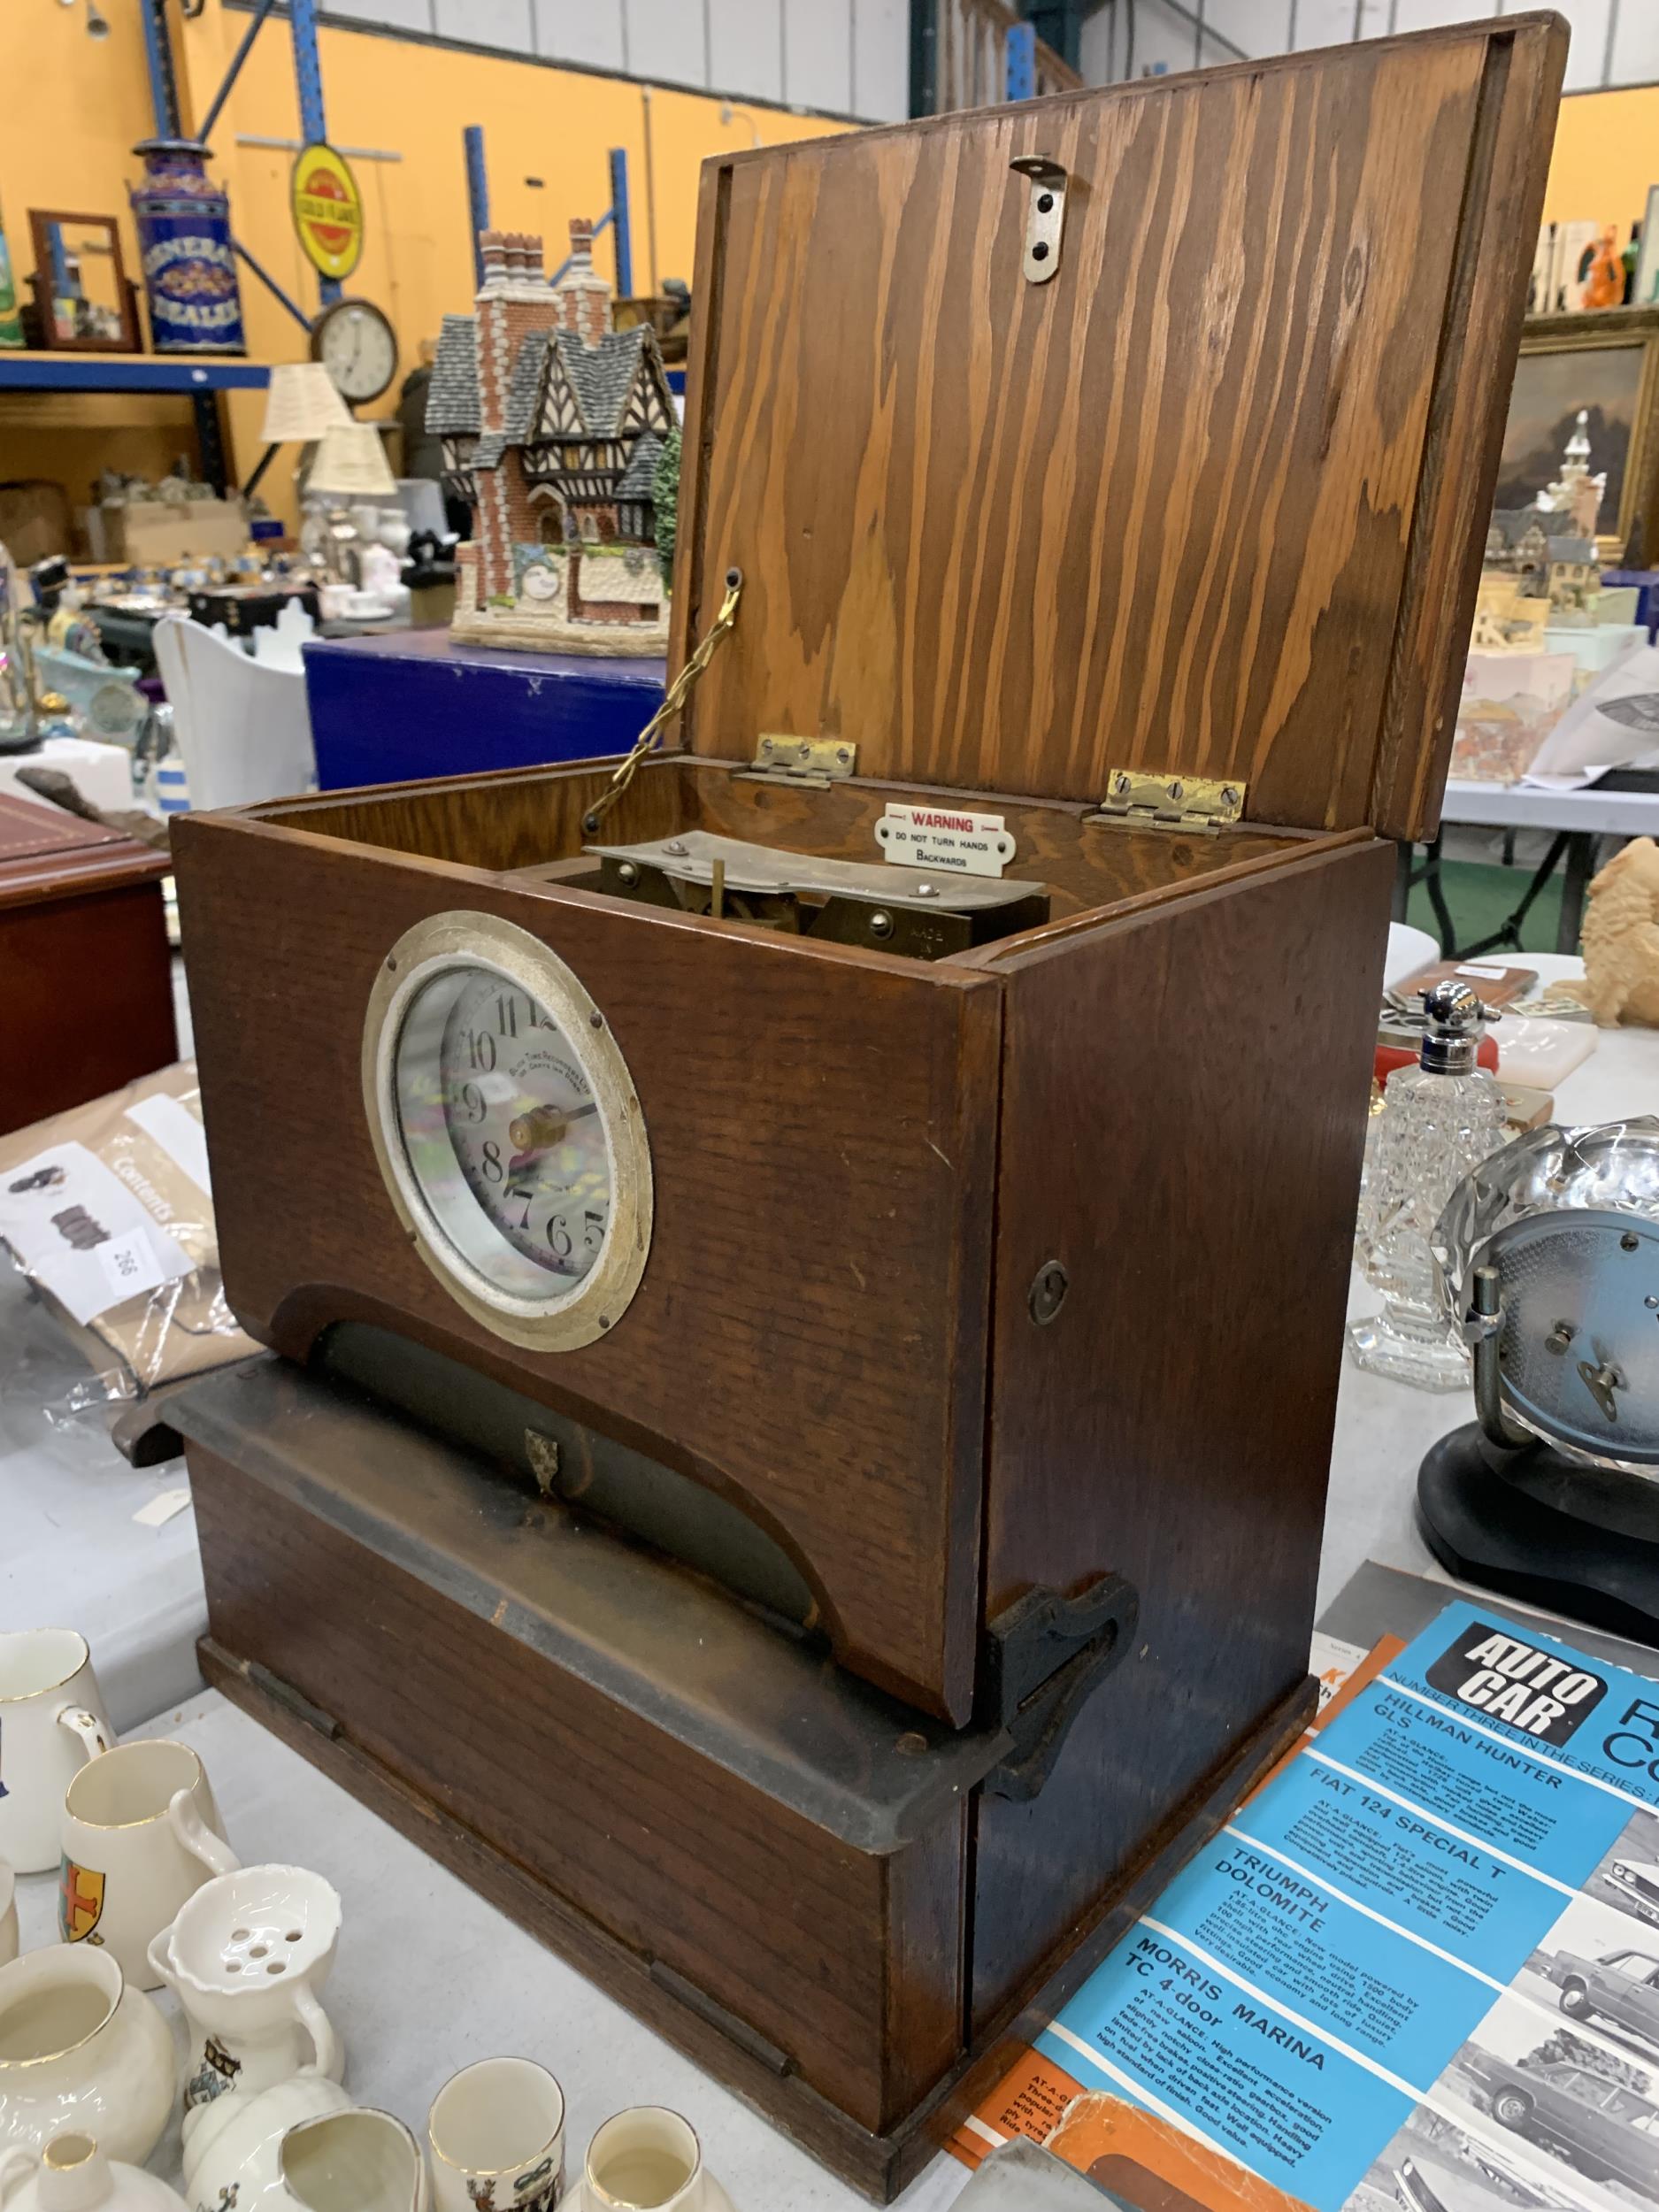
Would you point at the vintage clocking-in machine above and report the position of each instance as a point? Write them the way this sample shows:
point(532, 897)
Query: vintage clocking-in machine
point(811, 1264)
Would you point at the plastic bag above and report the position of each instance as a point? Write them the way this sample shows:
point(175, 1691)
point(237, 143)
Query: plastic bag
point(107, 1210)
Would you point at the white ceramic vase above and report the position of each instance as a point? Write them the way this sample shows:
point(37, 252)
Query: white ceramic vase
point(232, 2148)
point(302, 2147)
point(79, 2050)
point(246, 1955)
point(73, 2175)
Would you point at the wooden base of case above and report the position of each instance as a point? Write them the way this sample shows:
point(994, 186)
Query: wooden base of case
point(797, 1932)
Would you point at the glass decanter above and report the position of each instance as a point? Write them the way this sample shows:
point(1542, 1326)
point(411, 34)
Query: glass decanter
point(1439, 1120)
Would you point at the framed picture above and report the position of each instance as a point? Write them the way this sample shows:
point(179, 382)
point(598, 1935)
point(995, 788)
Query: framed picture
point(1607, 364)
point(83, 301)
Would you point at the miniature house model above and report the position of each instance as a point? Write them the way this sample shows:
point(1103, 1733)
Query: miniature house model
point(1550, 545)
point(553, 425)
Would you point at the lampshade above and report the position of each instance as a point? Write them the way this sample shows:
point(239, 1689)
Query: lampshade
point(351, 460)
point(302, 403)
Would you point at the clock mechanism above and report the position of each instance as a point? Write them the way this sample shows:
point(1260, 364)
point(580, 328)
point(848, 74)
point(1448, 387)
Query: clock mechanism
point(508, 1131)
point(355, 342)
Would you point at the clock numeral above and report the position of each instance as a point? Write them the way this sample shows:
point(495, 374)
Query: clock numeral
point(472, 1099)
point(481, 1050)
point(518, 1190)
point(558, 1237)
point(506, 1015)
point(494, 1172)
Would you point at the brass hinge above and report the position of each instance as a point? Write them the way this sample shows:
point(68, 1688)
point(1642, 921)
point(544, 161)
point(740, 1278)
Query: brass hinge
point(817, 762)
point(1203, 804)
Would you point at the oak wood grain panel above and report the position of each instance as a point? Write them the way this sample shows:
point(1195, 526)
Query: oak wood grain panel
point(532, 819)
point(1503, 201)
point(810, 1336)
point(1183, 1114)
point(844, 1962)
point(509, 819)
point(86, 993)
point(1154, 511)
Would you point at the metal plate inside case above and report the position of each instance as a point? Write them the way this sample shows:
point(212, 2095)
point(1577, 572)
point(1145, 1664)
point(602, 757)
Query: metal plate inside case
point(925, 913)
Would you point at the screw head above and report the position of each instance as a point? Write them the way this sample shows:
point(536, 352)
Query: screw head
point(1048, 1292)
point(881, 923)
point(927, 890)
point(1040, 251)
point(627, 872)
point(1045, 201)
point(675, 847)
point(596, 1020)
point(911, 1744)
point(1629, 1241)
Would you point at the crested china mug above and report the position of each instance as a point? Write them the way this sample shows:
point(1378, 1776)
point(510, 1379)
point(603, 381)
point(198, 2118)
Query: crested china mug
point(52, 1722)
point(140, 1834)
point(73, 2175)
point(496, 2130)
point(79, 2050)
point(647, 2159)
point(246, 1956)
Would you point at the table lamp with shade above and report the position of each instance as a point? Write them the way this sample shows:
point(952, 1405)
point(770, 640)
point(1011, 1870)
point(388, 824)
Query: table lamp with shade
point(300, 406)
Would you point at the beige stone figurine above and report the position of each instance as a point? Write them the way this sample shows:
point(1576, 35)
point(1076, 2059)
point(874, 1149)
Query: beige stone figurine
point(1621, 938)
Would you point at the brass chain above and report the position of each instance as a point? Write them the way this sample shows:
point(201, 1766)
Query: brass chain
point(673, 699)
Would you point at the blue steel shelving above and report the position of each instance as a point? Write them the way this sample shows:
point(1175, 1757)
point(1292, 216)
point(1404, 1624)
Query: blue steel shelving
point(25, 371)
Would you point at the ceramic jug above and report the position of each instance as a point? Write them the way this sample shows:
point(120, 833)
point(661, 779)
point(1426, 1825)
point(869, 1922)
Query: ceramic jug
point(52, 1721)
point(354, 2162)
point(73, 2175)
point(140, 1834)
point(80, 2050)
point(302, 2147)
point(233, 2149)
point(246, 1956)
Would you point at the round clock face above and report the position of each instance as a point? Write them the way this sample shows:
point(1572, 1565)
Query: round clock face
point(357, 346)
point(508, 1130)
point(540, 582)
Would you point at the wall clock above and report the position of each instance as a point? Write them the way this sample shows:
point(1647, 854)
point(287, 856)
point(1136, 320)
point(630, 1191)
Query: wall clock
point(508, 1130)
point(355, 342)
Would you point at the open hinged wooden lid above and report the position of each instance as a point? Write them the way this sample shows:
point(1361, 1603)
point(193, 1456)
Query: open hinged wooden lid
point(1211, 498)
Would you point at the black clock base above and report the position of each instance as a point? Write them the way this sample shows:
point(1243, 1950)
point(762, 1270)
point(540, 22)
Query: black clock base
point(1545, 1529)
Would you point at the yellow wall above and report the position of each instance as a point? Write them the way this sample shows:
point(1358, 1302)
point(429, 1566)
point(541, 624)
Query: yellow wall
point(1606, 156)
point(76, 108)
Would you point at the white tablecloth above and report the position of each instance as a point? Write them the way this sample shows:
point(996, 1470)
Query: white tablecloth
point(430, 1977)
point(71, 1554)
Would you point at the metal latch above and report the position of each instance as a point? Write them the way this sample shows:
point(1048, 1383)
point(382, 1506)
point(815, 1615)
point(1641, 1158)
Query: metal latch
point(1044, 1657)
point(1045, 217)
point(815, 761)
point(1203, 804)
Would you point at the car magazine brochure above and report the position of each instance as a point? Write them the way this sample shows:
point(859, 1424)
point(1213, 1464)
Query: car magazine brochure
point(1417, 1971)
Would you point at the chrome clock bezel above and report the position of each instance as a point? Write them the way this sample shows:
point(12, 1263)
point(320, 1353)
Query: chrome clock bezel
point(440, 1213)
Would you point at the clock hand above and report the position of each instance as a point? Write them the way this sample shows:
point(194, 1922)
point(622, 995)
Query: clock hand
point(544, 1125)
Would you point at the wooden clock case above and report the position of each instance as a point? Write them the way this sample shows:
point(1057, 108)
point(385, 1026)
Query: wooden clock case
point(1000, 1295)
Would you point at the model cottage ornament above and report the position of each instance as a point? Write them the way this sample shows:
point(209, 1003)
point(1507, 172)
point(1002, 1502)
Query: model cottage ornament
point(553, 426)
